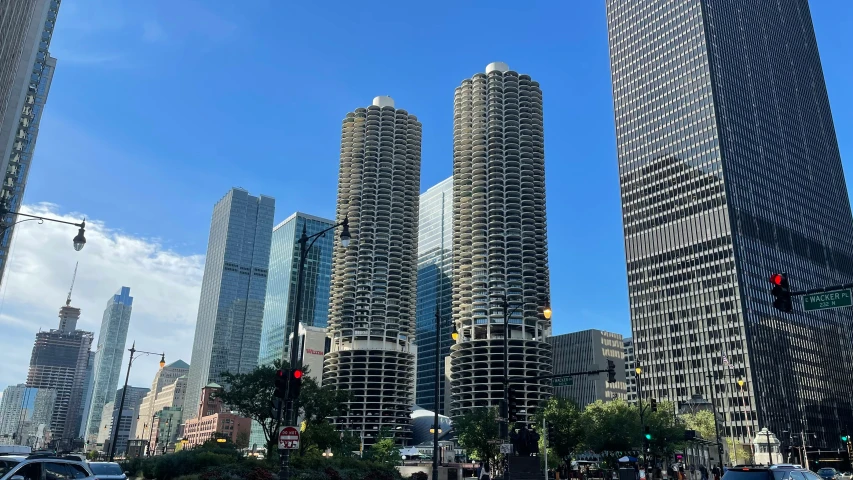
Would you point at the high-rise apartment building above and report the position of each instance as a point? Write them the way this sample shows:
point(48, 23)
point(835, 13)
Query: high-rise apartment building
point(435, 290)
point(108, 356)
point(730, 170)
point(372, 310)
point(59, 362)
point(26, 71)
point(584, 351)
point(281, 283)
point(630, 372)
point(231, 307)
point(166, 376)
point(500, 245)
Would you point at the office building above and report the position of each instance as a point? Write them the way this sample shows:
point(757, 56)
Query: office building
point(59, 361)
point(582, 352)
point(167, 426)
point(212, 418)
point(88, 387)
point(630, 373)
point(25, 415)
point(500, 246)
point(435, 290)
point(373, 293)
point(164, 392)
point(730, 171)
point(231, 306)
point(281, 283)
point(108, 356)
point(26, 71)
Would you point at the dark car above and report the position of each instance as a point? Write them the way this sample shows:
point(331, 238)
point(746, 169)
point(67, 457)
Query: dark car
point(775, 472)
point(828, 474)
point(107, 471)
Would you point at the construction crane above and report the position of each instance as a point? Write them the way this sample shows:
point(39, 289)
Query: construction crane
point(68, 300)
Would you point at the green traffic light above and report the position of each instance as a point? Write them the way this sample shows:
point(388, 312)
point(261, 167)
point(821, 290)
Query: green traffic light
point(844, 438)
point(648, 436)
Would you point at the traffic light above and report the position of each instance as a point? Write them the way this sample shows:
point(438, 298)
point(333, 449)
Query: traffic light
point(648, 433)
point(611, 371)
point(781, 292)
point(512, 406)
point(653, 404)
point(550, 432)
point(295, 383)
point(845, 437)
point(281, 383)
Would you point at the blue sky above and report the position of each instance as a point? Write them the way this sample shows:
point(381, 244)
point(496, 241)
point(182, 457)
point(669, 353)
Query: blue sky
point(158, 107)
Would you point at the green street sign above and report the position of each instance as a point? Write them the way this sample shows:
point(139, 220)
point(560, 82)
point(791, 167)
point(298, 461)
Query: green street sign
point(825, 300)
point(562, 382)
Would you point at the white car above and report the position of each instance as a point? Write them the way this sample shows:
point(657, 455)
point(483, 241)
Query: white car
point(43, 466)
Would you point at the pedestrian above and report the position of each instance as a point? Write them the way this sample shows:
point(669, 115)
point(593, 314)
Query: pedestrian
point(703, 471)
point(681, 475)
point(716, 472)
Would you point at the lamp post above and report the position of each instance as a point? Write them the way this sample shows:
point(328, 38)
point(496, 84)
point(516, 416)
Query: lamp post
point(305, 244)
point(546, 312)
point(133, 351)
point(716, 423)
point(637, 372)
point(435, 430)
point(79, 240)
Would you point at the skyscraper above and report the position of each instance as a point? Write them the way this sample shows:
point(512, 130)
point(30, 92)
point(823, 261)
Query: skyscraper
point(108, 356)
point(435, 290)
point(59, 361)
point(500, 246)
point(164, 377)
point(372, 311)
point(25, 414)
point(88, 387)
point(583, 351)
point(26, 71)
point(231, 307)
point(730, 170)
point(281, 283)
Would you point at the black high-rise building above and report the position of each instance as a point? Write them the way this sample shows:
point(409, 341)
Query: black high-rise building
point(729, 171)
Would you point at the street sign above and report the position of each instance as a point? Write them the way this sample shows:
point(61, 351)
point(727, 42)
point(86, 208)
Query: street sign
point(495, 442)
point(506, 448)
point(825, 300)
point(562, 381)
point(288, 438)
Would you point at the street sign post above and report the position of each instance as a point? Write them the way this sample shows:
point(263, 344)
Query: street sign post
point(562, 382)
point(506, 448)
point(288, 438)
point(827, 300)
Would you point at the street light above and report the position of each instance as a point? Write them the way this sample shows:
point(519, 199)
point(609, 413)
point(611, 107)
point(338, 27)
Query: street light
point(435, 430)
point(133, 351)
point(328, 453)
point(79, 240)
point(305, 243)
point(432, 430)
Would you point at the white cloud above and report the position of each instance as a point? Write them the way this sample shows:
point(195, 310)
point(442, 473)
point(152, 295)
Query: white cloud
point(164, 284)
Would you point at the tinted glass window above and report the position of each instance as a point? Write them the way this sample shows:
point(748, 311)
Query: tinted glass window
point(56, 471)
point(105, 469)
point(780, 474)
point(77, 471)
point(6, 465)
point(30, 471)
point(811, 476)
point(797, 476)
point(748, 475)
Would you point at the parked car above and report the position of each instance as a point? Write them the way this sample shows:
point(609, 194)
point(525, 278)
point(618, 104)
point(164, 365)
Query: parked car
point(775, 472)
point(38, 466)
point(845, 476)
point(107, 471)
point(828, 474)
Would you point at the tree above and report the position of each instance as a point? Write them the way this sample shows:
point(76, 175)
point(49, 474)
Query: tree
point(317, 405)
point(612, 426)
point(385, 451)
point(738, 452)
point(250, 395)
point(702, 422)
point(563, 415)
point(476, 432)
point(667, 430)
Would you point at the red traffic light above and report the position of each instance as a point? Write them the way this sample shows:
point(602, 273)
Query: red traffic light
point(279, 373)
point(297, 374)
point(776, 279)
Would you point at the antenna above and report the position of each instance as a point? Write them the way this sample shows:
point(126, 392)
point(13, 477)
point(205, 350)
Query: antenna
point(68, 301)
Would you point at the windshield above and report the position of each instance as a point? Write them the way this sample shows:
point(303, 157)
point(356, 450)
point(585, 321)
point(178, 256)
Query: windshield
point(826, 471)
point(6, 464)
point(105, 469)
point(746, 475)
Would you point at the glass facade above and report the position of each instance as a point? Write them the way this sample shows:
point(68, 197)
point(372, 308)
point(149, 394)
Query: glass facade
point(110, 350)
point(729, 171)
point(233, 289)
point(26, 72)
point(435, 290)
point(281, 283)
